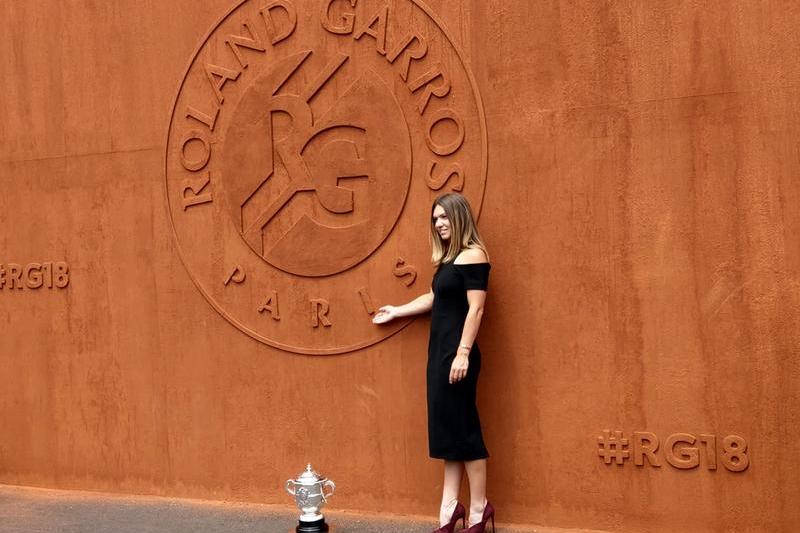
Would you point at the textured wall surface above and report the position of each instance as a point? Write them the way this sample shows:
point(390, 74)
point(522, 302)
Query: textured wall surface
point(640, 205)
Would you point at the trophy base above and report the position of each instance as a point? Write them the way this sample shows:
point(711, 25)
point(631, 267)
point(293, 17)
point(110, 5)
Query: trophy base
point(318, 526)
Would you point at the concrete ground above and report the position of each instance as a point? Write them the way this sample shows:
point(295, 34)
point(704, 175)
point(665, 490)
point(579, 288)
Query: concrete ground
point(36, 510)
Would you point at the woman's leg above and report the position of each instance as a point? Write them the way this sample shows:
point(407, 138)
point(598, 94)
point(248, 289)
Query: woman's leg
point(453, 471)
point(476, 472)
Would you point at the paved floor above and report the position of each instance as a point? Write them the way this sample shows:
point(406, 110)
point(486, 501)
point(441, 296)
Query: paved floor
point(34, 510)
point(30, 510)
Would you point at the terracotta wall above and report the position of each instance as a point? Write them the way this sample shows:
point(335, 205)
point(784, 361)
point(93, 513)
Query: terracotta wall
point(640, 204)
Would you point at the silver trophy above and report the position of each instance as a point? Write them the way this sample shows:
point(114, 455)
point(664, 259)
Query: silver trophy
point(309, 495)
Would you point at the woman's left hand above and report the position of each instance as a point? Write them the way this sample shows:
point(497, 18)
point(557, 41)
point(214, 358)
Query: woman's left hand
point(458, 370)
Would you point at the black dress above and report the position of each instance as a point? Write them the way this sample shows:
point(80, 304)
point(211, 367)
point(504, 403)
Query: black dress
point(454, 429)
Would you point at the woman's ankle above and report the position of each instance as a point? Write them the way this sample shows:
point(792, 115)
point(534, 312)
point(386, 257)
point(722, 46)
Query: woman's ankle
point(476, 512)
point(446, 511)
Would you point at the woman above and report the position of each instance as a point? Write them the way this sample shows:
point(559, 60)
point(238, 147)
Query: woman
point(456, 303)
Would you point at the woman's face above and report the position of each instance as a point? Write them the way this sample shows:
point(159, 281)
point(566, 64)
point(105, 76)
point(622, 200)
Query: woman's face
point(441, 223)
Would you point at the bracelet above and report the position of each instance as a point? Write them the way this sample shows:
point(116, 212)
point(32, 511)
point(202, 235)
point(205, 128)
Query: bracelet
point(465, 347)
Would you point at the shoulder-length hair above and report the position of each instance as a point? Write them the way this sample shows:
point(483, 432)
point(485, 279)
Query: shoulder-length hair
point(463, 230)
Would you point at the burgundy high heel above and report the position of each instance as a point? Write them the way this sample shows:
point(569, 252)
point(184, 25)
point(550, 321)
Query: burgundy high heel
point(450, 527)
point(480, 527)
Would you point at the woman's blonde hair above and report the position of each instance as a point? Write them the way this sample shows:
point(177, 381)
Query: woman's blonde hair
point(463, 230)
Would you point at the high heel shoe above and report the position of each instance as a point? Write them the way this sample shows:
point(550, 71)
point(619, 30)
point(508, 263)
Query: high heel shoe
point(480, 527)
point(450, 527)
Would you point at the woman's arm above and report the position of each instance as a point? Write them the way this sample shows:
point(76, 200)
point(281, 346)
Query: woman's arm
point(472, 323)
point(421, 304)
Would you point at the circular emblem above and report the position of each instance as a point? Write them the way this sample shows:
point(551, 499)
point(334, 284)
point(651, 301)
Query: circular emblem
point(307, 142)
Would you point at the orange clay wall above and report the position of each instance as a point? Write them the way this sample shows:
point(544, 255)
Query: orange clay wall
point(201, 204)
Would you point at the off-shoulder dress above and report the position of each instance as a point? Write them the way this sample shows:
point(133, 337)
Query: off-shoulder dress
point(454, 428)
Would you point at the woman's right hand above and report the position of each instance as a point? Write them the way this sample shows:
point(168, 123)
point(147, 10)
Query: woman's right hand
point(385, 314)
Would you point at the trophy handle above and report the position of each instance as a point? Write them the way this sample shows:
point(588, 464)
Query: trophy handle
point(290, 486)
point(332, 485)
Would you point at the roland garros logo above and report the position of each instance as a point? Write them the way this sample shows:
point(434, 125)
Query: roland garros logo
point(307, 141)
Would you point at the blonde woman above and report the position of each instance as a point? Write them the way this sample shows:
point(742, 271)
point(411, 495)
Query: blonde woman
point(456, 303)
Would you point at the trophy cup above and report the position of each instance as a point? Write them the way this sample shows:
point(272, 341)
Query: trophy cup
point(309, 495)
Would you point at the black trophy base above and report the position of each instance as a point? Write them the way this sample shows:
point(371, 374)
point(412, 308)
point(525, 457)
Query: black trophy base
point(318, 526)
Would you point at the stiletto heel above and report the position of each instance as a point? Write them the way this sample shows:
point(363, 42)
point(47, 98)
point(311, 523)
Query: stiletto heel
point(450, 527)
point(480, 527)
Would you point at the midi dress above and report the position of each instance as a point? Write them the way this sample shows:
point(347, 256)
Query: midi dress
point(454, 427)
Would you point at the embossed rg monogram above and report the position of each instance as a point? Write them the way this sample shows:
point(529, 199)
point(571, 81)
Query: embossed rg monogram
point(290, 147)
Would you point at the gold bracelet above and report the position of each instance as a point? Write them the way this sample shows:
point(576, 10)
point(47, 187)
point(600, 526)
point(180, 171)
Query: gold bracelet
point(465, 347)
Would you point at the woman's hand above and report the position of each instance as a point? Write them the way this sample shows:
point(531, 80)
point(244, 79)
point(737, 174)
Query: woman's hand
point(385, 314)
point(458, 370)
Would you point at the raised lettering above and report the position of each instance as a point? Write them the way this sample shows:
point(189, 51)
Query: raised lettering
point(734, 453)
point(270, 305)
point(380, 18)
point(193, 165)
point(47, 268)
point(253, 42)
point(33, 275)
point(415, 54)
point(218, 76)
point(61, 274)
point(453, 145)
point(687, 457)
point(277, 35)
point(237, 275)
point(206, 119)
point(14, 276)
point(192, 189)
point(710, 442)
point(406, 273)
point(346, 24)
point(366, 300)
point(613, 447)
point(440, 90)
point(451, 170)
point(645, 444)
point(319, 313)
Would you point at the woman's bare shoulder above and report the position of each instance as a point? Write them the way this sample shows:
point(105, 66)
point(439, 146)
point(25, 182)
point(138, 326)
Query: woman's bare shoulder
point(471, 256)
